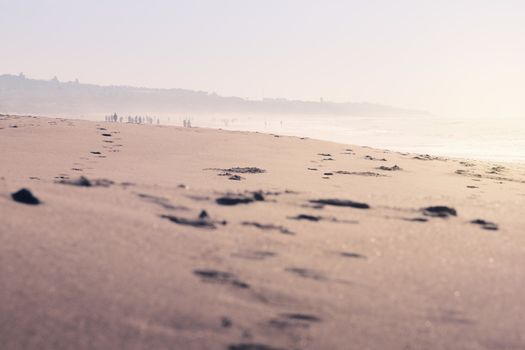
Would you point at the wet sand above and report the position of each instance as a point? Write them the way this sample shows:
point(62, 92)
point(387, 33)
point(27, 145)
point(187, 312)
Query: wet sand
point(155, 237)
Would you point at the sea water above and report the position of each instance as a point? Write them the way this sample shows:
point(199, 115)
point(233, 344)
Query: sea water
point(496, 139)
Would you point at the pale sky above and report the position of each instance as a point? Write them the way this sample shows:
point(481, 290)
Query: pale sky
point(450, 57)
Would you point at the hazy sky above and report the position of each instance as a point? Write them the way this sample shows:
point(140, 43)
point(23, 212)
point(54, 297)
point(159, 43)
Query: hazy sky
point(451, 57)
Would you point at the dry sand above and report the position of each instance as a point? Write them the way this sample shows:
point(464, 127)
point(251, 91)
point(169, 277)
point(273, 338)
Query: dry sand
point(128, 264)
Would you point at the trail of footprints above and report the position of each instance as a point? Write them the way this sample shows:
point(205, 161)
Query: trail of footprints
point(109, 146)
point(328, 157)
point(293, 321)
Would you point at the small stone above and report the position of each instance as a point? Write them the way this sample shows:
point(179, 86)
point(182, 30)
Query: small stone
point(25, 196)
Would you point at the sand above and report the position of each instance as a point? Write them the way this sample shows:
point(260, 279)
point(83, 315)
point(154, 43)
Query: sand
point(179, 238)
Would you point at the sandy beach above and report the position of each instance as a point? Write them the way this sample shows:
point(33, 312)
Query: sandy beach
point(157, 237)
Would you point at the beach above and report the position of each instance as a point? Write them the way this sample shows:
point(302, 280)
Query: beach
point(162, 237)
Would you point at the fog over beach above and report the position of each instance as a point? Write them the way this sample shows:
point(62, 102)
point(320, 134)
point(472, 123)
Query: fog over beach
point(487, 138)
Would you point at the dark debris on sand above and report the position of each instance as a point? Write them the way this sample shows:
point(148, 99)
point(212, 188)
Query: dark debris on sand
point(25, 196)
point(340, 203)
point(234, 199)
point(439, 211)
point(486, 225)
point(315, 218)
point(467, 164)
point(359, 173)
point(244, 170)
point(226, 322)
point(390, 168)
point(367, 157)
point(302, 317)
point(83, 181)
point(426, 157)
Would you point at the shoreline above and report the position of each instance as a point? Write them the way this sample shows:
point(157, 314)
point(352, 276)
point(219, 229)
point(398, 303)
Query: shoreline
point(516, 162)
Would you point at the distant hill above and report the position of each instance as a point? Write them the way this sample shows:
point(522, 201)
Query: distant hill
point(20, 95)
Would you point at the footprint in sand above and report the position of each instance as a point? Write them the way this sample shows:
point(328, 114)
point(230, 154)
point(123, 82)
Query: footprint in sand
point(269, 227)
point(294, 320)
point(161, 201)
point(226, 322)
point(62, 176)
point(306, 273)
point(202, 221)
point(236, 178)
point(254, 255)
point(467, 164)
point(389, 168)
point(359, 173)
point(368, 157)
point(349, 151)
point(221, 277)
point(352, 255)
point(426, 157)
point(306, 217)
point(416, 219)
point(450, 316)
point(340, 203)
point(252, 346)
point(316, 218)
point(486, 225)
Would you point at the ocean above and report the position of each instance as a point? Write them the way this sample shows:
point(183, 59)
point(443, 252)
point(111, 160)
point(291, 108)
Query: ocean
point(495, 139)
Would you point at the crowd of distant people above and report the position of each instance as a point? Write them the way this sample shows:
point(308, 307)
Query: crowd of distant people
point(114, 118)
